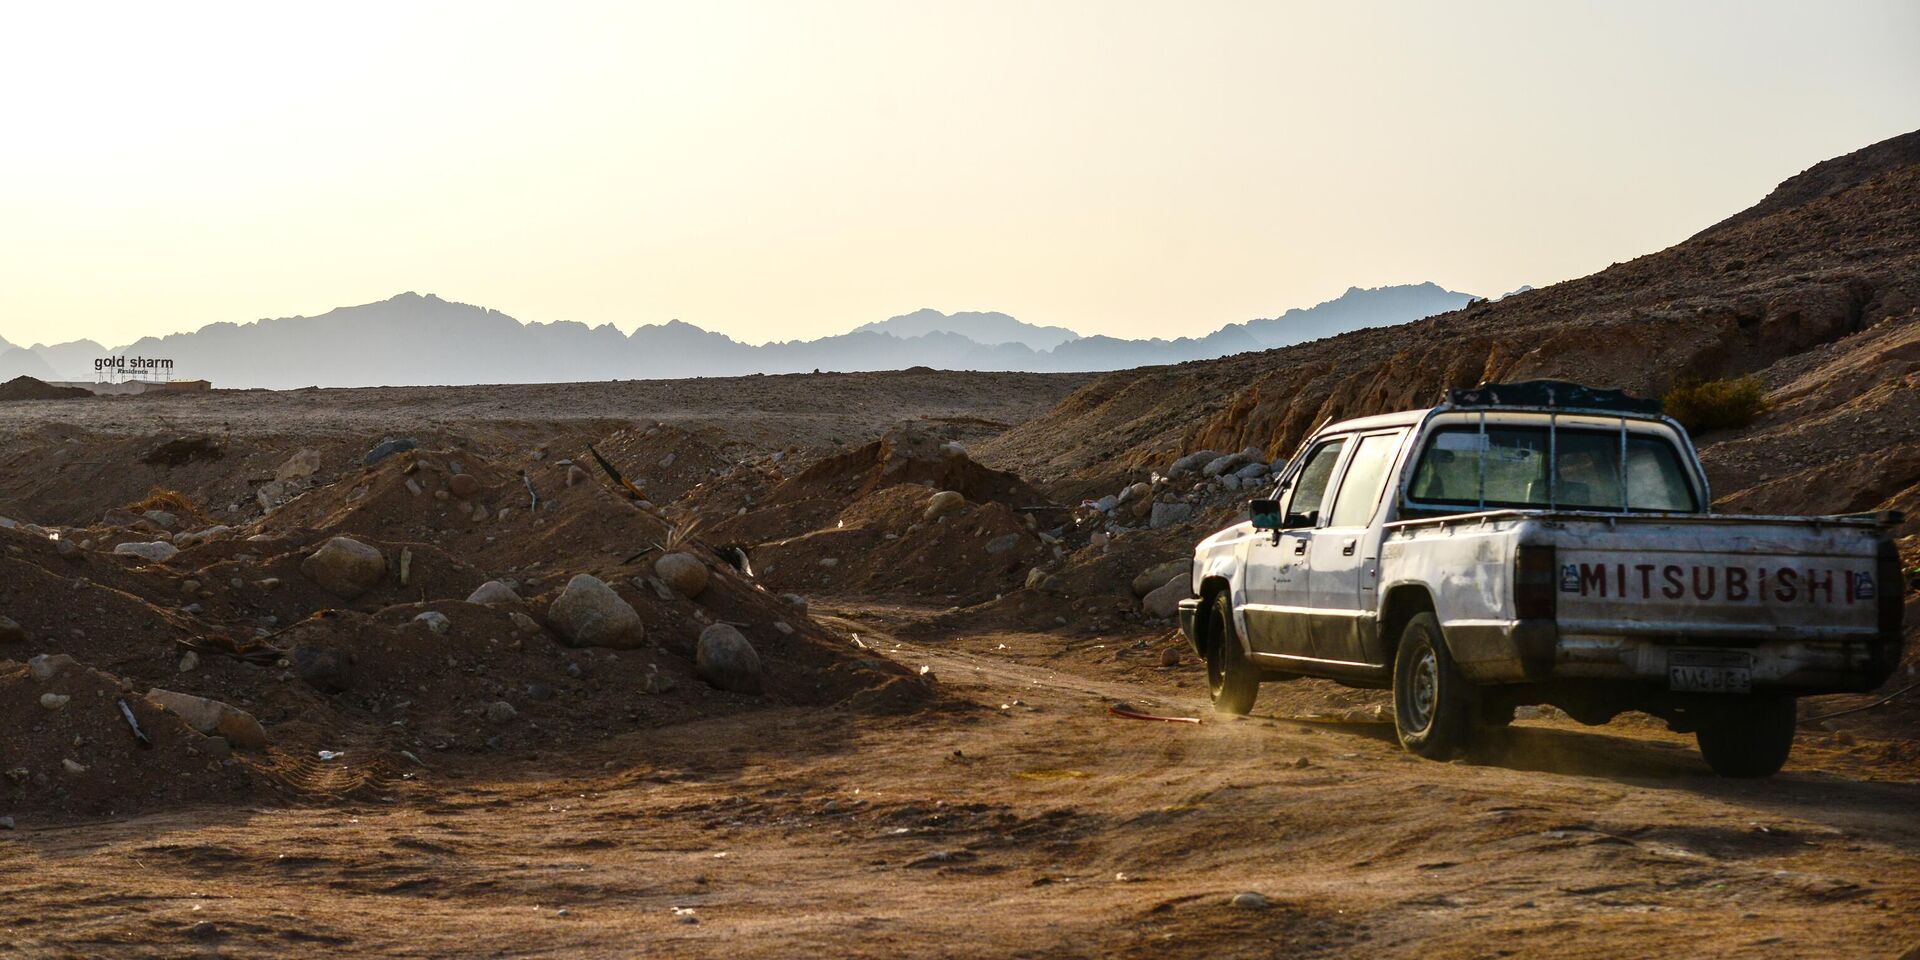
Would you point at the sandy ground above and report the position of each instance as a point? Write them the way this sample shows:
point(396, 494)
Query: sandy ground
point(770, 411)
point(1017, 819)
point(1009, 815)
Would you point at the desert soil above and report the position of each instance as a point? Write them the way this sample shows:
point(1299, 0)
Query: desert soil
point(1017, 819)
point(928, 772)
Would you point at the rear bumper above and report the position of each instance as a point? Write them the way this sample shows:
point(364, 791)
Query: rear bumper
point(1527, 651)
point(1190, 622)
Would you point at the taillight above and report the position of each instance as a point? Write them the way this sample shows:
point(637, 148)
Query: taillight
point(1892, 598)
point(1535, 582)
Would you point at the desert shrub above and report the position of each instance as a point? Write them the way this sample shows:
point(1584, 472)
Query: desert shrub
point(1704, 405)
point(172, 501)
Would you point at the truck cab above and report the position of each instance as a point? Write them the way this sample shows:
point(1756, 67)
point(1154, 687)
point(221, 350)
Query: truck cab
point(1541, 543)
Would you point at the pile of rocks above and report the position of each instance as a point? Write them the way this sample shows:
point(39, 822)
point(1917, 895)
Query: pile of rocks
point(1190, 485)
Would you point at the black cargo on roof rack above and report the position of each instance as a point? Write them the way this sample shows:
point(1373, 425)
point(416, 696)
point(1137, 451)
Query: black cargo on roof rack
point(1553, 393)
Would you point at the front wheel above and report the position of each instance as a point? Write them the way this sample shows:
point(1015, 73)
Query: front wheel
point(1434, 710)
point(1232, 683)
point(1751, 740)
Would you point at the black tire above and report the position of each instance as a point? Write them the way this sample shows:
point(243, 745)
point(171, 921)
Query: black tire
point(1232, 682)
point(1434, 711)
point(1750, 740)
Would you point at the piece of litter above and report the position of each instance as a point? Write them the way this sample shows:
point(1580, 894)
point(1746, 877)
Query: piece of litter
point(332, 754)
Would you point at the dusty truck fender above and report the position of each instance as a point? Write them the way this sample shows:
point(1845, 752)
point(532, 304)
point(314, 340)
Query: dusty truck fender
point(1217, 565)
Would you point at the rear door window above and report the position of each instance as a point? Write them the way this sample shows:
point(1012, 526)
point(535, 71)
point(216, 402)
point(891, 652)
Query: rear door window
point(1365, 478)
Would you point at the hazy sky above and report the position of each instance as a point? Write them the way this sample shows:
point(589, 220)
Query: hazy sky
point(788, 169)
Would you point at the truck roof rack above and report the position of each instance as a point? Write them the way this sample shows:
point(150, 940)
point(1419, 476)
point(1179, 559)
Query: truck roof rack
point(1553, 394)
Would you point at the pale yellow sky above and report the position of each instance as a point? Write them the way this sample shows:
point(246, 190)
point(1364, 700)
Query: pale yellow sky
point(780, 169)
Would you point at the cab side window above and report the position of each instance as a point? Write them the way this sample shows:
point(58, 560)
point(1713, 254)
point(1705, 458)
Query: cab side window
point(1302, 508)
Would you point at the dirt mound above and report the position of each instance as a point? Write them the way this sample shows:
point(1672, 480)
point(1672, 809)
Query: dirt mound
point(883, 545)
point(664, 461)
point(27, 388)
point(69, 747)
point(406, 669)
point(813, 498)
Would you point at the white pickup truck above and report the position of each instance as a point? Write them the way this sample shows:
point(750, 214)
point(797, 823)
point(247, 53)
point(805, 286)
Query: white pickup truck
point(1542, 543)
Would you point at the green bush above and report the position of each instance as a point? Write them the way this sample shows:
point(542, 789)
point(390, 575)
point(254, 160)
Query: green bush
point(1704, 405)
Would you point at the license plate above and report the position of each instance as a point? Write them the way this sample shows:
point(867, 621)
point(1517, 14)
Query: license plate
point(1709, 671)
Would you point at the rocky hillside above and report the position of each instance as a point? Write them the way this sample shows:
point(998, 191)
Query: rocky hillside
point(1815, 290)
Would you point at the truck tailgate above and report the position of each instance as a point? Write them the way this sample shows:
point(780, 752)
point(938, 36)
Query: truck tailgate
point(1698, 578)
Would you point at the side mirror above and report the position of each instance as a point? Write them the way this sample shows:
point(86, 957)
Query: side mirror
point(1264, 513)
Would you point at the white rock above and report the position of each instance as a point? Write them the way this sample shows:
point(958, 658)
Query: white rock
point(1164, 601)
point(435, 621)
point(212, 717)
point(159, 551)
point(683, 572)
point(493, 591)
point(301, 465)
point(1152, 577)
point(48, 665)
point(345, 567)
point(590, 614)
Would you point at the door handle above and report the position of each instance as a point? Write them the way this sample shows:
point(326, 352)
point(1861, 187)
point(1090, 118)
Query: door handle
point(1347, 551)
point(1300, 546)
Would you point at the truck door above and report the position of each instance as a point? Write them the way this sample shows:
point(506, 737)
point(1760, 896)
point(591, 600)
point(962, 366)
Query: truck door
point(1277, 602)
point(1346, 549)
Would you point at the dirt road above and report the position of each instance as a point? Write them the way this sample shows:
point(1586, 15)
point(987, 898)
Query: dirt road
point(1016, 819)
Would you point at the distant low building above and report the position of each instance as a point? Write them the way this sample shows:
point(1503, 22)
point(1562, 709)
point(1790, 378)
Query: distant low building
point(134, 388)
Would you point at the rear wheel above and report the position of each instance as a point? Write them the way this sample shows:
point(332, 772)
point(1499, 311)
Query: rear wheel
point(1434, 710)
point(1231, 680)
point(1749, 740)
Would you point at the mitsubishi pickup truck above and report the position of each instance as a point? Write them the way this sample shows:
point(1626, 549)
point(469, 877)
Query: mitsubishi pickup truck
point(1542, 543)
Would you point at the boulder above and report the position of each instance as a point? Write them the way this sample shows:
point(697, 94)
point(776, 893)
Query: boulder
point(12, 632)
point(1106, 504)
point(725, 659)
point(589, 613)
point(1003, 543)
point(322, 668)
point(300, 466)
point(159, 551)
point(493, 591)
point(683, 572)
point(213, 718)
point(1220, 466)
point(1132, 492)
point(274, 494)
point(1152, 577)
point(1252, 471)
point(943, 503)
point(1168, 514)
point(345, 567)
point(48, 665)
point(435, 621)
point(1191, 462)
point(575, 475)
point(1164, 601)
point(388, 448)
point(464, 485)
